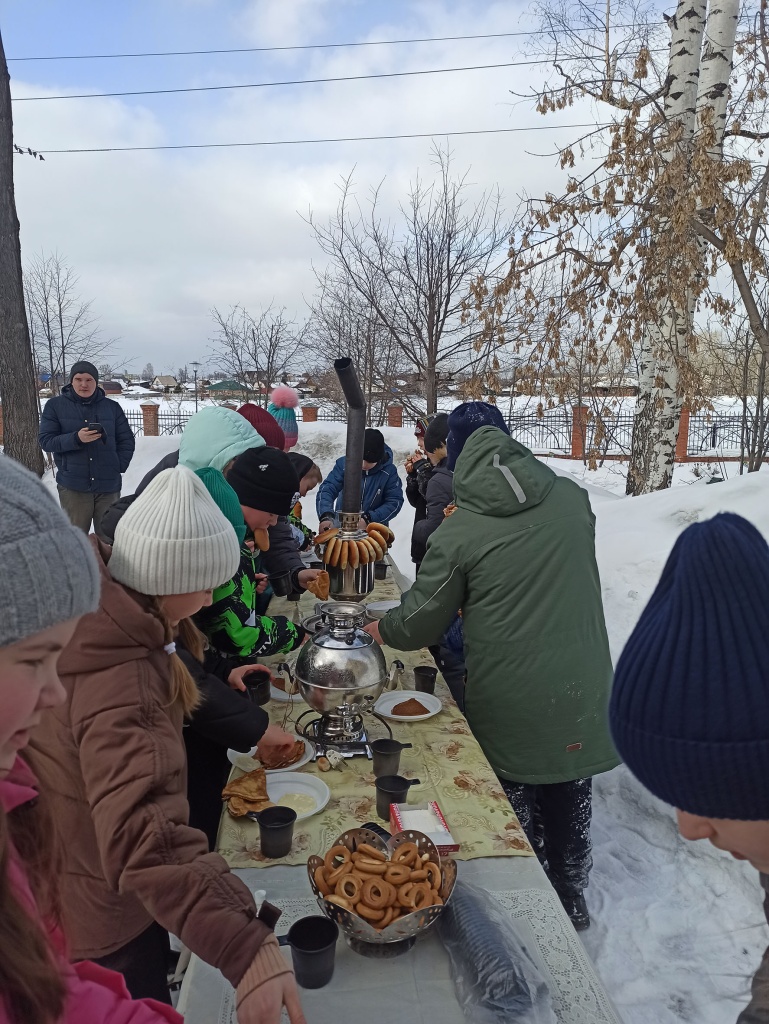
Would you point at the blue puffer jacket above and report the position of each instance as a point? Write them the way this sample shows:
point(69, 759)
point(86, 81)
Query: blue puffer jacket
point(98, 465)
point(382, 496)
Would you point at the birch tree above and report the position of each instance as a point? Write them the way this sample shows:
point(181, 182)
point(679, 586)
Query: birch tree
point(641, 235)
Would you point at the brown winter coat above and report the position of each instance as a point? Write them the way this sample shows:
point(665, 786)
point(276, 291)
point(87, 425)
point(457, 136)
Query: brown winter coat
point(113, 757)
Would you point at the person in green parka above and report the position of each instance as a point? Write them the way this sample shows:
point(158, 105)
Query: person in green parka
point(517, 556)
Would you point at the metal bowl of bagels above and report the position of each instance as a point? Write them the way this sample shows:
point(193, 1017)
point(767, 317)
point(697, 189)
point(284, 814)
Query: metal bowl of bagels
point(382, 892)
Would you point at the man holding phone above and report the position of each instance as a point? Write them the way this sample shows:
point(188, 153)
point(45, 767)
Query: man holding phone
point(92, 446)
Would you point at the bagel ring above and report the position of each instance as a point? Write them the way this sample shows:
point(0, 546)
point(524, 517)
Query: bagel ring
point(403, 894)
point(329, 861)
point(340, 901)
point(408, 853)
point(421, 898)
point(371, 851)
point(322, 883)
point(370, 867)
point(387, 918)
point(433, 875)
point(369, 912)
point(377, 894)
point(349, 887)
point(418, 876)
point(332, 877)
point(397, 874)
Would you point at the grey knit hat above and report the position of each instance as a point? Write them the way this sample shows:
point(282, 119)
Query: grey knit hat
point(49, 573)
point(173, 539)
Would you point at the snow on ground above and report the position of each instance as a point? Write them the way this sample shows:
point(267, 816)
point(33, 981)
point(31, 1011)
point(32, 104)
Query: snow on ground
point(678, 928)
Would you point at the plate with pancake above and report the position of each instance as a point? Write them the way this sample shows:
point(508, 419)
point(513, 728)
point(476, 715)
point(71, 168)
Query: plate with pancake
point(403, 705)
point(301, 754)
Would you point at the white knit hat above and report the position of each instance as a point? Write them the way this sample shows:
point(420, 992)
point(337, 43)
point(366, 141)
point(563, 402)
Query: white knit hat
point(173, 539)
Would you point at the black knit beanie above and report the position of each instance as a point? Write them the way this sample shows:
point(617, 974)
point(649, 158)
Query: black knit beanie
point(301, 463)
point(688, 709)
point(373, 445)
point(437, 432)
point(264, 479)
point(83, 367)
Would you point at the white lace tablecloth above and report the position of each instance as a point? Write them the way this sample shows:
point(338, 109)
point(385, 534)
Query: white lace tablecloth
point(416, 987)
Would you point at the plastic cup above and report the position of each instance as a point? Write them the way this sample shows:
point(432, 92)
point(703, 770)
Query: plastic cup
point(276, 831)
point(257, 685)
point(387, 756)
point(380, 570)
point(424, 678)
point(281, 584)
point(313, 947)
point(391, 789)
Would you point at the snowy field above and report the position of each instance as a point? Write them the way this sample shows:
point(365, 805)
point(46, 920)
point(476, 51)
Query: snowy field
point(678, 928)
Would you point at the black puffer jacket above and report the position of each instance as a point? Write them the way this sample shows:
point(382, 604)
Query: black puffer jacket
point(416, 499)
point(437, 487)
point(225, 718)
point(95, 467)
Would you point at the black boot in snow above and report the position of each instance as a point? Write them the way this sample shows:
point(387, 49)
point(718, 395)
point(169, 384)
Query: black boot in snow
point(576, 908)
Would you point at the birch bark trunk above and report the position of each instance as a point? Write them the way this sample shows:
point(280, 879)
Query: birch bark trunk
point(658, 406)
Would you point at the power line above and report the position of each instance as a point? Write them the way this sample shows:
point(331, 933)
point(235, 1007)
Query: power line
point(295, 81)
point(309, 142)
point(313, 46)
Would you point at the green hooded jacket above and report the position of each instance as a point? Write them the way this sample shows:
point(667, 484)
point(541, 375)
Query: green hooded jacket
point(518, 557)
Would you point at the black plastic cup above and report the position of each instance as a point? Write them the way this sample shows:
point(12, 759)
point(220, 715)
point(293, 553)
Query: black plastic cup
point(380, 570)
point(257, 685)
point(391, 789)
point(281, 584)
point(387, 756)
point(424, 678)
point(276, 831)
point(313, 948)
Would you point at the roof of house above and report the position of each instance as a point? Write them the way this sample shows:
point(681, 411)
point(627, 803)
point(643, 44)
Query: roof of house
point(167, 382)
point(227, 385)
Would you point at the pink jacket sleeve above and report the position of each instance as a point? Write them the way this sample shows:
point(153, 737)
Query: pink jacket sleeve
point(99, 996)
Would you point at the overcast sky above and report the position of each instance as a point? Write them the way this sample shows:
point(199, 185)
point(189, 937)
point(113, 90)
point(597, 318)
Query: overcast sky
point(158, 238)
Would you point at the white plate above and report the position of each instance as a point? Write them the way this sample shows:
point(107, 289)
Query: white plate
point(281, 785)
point(378, 609)
point(281, 695)
point(387, 701)
point(234, 755)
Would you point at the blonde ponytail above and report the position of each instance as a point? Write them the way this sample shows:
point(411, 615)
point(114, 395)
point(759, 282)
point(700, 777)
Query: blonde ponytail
point(184, 689)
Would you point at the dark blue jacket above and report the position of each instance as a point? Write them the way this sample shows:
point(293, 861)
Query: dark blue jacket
point(382, 496)
point(96, 466)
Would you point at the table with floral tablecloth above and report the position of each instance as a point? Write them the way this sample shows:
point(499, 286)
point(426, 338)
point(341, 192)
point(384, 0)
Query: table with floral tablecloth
point(445, 757)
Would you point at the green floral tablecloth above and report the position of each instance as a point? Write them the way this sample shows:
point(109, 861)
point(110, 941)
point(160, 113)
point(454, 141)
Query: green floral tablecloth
point(445, 758)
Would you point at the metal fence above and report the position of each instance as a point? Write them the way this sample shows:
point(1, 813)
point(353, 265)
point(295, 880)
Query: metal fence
point(135, 420)
point(172, 422)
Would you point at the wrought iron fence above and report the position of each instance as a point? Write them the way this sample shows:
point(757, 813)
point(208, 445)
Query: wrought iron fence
point(548, 433)
point(135, 420)
point(172, 422)
point(713, 432)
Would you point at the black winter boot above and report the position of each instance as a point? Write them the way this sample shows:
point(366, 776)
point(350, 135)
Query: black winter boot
point(576, 908)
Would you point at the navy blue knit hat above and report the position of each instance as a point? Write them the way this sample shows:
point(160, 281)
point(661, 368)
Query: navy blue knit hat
point(689, 709)
point(465, 420)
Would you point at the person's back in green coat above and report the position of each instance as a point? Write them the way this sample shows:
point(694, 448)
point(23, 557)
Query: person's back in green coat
point(518, 557)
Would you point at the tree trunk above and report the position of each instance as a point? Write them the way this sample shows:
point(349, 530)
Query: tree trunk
point(18, 386)
point(658, 407)
point(431, 390)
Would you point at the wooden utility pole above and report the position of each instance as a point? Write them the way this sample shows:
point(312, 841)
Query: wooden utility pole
point(18, 383)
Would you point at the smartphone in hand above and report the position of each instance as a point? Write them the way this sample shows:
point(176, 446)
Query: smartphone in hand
point(97, 427)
